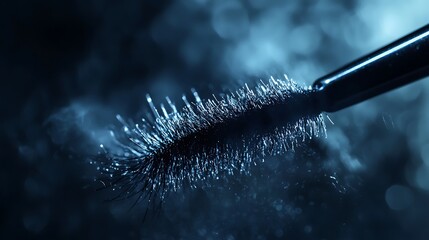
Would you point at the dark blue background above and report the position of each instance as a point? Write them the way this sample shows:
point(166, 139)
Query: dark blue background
point(67, 67)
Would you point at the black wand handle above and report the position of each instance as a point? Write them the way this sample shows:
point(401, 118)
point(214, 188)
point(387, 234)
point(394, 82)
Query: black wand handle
point(399, 63)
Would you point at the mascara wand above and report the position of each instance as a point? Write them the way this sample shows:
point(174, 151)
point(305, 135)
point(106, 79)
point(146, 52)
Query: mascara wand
point(209, 138)
point(399, 63)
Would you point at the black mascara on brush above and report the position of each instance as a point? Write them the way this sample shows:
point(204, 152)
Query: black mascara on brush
point(208, 138)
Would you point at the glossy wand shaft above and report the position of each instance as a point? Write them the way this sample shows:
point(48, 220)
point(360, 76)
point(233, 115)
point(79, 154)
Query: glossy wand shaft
point(399, 63)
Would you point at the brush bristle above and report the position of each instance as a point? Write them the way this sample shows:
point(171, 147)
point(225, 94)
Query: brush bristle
point(189, 146)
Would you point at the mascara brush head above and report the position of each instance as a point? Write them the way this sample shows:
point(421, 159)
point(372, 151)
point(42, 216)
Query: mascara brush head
point(208, 138)
point(227, 133)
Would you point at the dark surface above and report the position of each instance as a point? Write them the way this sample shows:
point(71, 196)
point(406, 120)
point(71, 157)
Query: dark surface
point(67, 67)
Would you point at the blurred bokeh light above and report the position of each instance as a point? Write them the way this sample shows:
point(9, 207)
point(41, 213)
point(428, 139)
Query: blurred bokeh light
point(68, 67)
